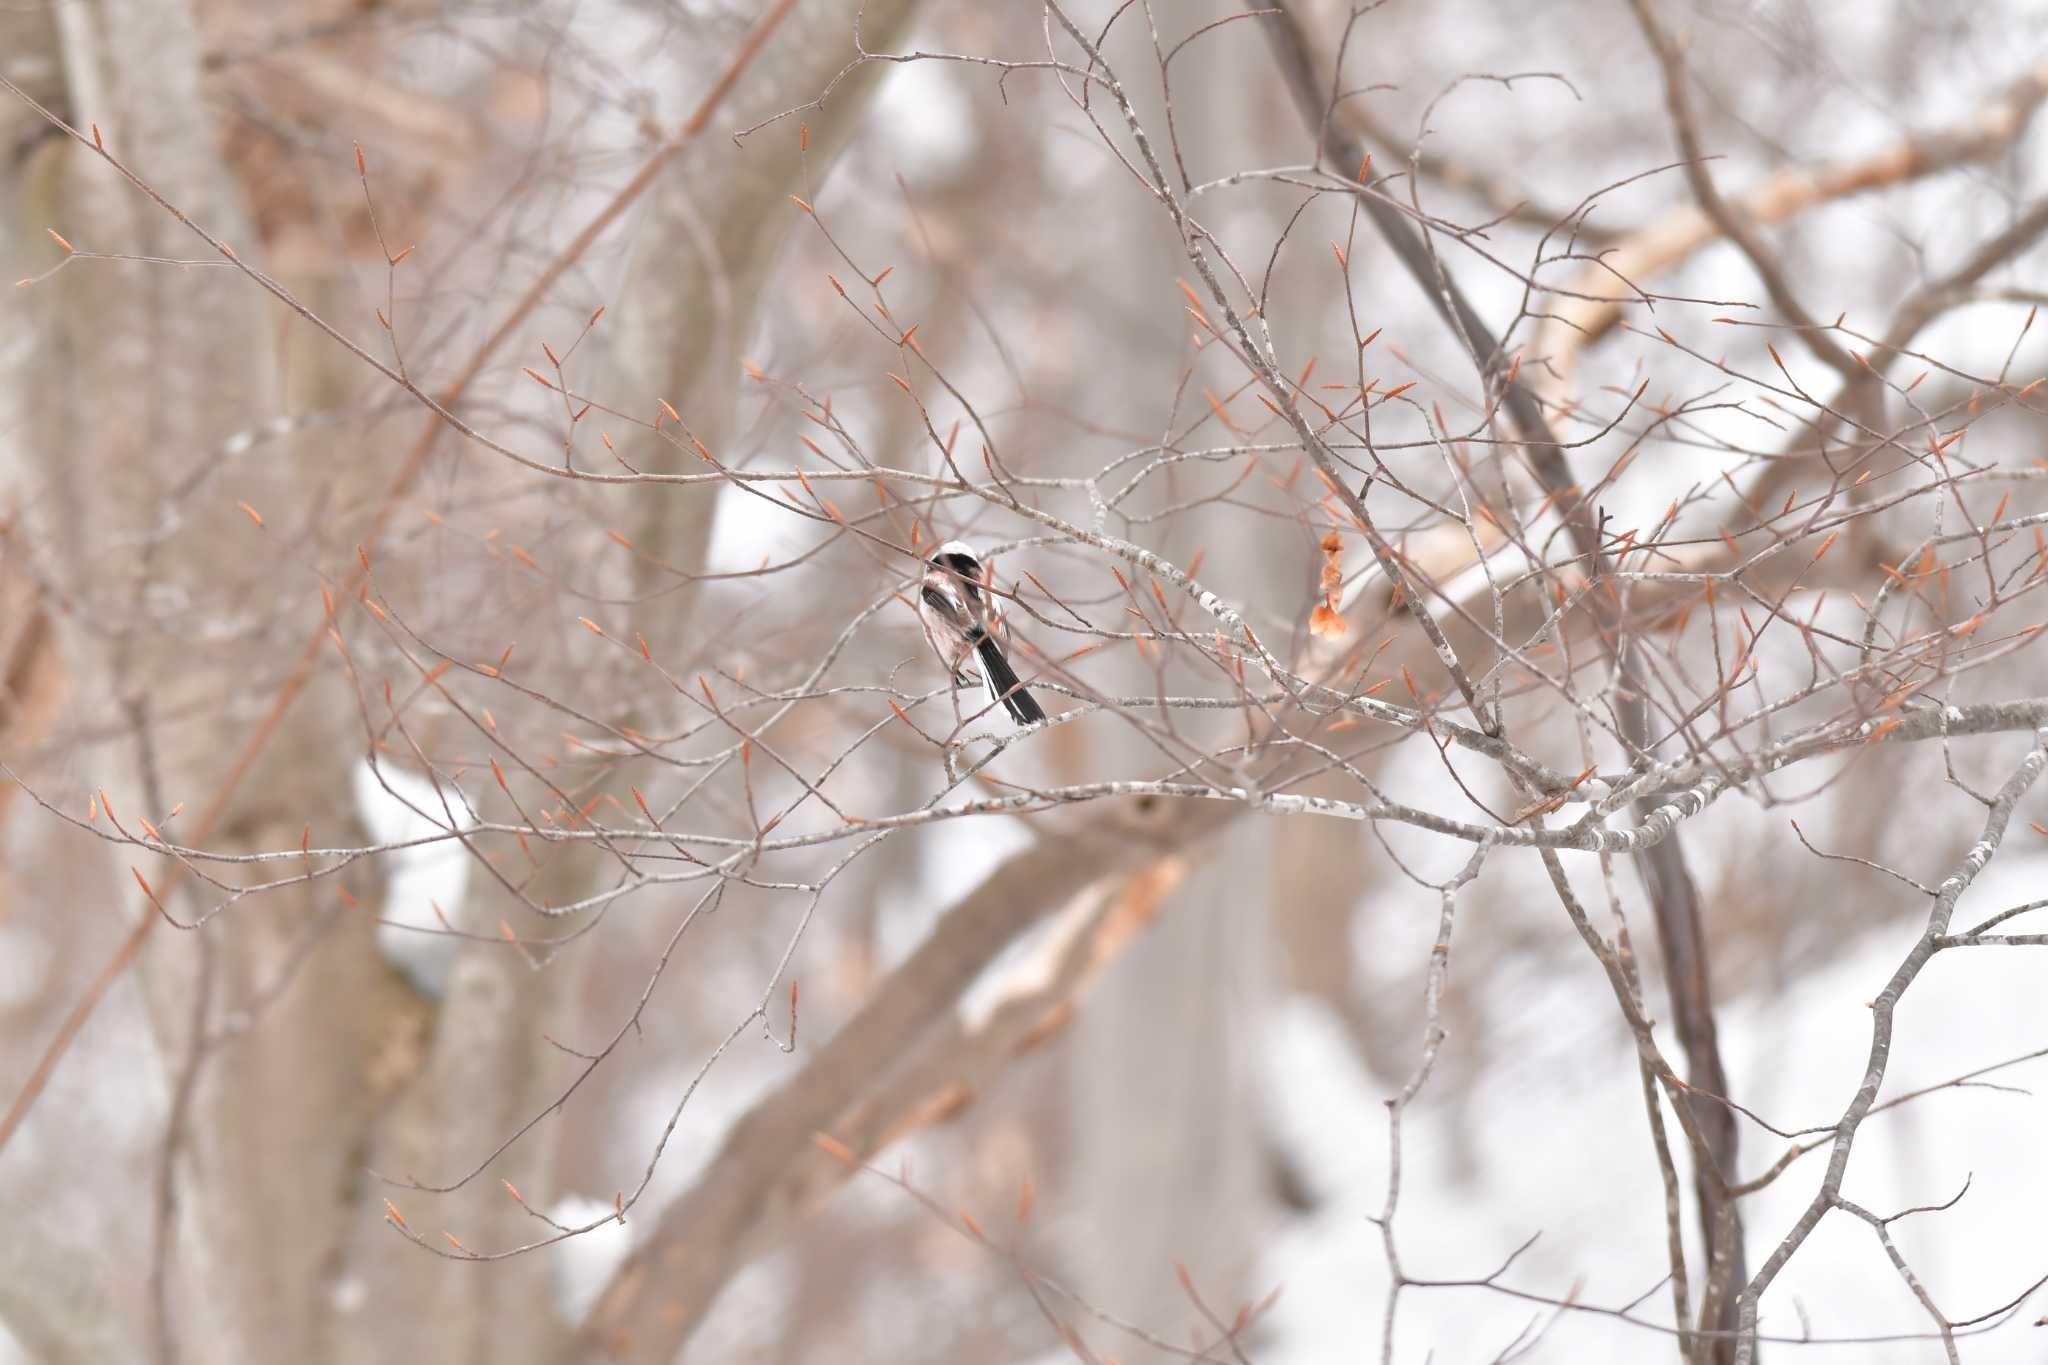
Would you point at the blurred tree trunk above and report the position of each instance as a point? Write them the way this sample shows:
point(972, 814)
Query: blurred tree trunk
point(1162, 1103)
point(140, 374)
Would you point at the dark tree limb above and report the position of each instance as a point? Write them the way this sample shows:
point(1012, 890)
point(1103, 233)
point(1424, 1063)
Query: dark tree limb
point(1728, 215)
point(1674, 898)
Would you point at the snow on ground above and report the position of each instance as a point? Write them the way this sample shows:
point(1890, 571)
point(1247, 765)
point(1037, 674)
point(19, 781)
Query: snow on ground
point(1564, 1151)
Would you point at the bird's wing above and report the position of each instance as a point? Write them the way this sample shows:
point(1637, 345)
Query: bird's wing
point(945, 606)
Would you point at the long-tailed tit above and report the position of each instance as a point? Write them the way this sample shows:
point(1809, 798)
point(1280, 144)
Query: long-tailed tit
point(956, 619)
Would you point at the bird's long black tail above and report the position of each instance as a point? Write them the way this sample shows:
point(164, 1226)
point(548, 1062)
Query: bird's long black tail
point(1002, 682)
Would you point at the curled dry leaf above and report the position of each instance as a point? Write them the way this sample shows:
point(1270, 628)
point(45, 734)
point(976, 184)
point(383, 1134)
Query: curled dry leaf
point(1326, 622)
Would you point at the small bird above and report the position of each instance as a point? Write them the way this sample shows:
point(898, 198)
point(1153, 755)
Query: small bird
point(955, 616)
